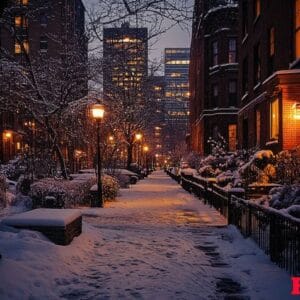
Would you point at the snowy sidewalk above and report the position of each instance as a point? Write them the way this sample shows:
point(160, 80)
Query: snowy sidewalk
point(155, 242)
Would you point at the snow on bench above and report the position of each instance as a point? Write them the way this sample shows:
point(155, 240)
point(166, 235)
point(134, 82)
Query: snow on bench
point(59, 225)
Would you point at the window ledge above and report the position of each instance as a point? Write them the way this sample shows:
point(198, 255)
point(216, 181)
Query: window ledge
point(245, 96)
point(245, 38)
point(294, 63)
point(256, 19)
point(273, 142)
point(257, 86)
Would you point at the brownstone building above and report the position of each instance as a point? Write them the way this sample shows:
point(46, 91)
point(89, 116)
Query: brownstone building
point(269, 86)
point(46, 32)
point(213, 74)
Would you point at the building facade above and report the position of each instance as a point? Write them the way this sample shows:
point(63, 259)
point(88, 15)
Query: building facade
point(269, 86)
point(176, 100)
point(41, 35)
point(213, 75)
point(125, 55)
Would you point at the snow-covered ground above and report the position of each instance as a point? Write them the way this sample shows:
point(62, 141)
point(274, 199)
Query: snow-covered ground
point(155, 242)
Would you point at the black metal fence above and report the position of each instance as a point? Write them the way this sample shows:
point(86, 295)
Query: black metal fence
point(278, 235)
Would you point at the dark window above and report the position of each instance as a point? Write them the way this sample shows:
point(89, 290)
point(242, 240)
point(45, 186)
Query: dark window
point(271, 51)
point(297, 29)
point(232, 51)
point(43, 20)
point(232, 91)
point(257, 64)
point(44, 44)
point(215, 53)
point(257, 8)
point(245, 75)
point(245, 17)
point(215, 96)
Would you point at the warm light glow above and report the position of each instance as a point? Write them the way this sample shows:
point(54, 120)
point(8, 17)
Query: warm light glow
point(138, 136)
point(146, 148)
point(97, 111)
point(18, 145)
point(296, 108)
point(8, 134)
point(110, 138)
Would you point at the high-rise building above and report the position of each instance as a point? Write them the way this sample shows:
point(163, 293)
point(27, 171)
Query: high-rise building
point(125, 56)
point(269, 85)
point(43, 35)
point(176, 102)
point(214, 74)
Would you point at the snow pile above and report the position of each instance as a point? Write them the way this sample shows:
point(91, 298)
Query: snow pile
point(43, 217)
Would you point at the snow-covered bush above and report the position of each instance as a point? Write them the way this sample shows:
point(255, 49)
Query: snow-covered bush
point(288, 166)
point(72, 192)
point(260, 168)
point(286, 196)
point(110, 187)
point(2, 191)
point(208, 171)
point(193, 159)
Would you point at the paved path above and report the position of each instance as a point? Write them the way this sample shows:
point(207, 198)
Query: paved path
point(159, 242)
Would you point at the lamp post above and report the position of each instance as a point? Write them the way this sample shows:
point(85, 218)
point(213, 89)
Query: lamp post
point(138, 137)
point(98, 114)
point(146, 149)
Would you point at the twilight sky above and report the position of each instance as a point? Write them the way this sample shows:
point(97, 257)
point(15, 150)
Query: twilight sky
point(177, 36)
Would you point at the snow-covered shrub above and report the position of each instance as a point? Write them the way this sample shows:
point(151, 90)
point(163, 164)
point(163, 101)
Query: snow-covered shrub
point(260, 168)
point(286, 196)
point(110, 187)
point(193, 159)
point(288, 166)
point(2, 191)
point(71, 192)
point(207, 171)
point(294, 211)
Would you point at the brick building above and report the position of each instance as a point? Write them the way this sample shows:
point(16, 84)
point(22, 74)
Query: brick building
point(269, 86)
point(213, 74)
point(45, 32)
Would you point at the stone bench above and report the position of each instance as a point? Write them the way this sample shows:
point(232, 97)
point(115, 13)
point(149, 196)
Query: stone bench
point(58, 225)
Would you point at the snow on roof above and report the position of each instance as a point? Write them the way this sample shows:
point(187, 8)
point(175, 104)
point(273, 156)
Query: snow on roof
point(220, 7)
point(43, 217)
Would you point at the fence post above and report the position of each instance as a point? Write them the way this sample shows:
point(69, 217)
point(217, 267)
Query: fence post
point(249, 221)
point(272, 239)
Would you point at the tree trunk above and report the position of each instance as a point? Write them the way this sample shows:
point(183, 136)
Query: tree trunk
point(61, 161)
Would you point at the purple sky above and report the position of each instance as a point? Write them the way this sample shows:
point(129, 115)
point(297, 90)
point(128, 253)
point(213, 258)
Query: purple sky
point(175, 37)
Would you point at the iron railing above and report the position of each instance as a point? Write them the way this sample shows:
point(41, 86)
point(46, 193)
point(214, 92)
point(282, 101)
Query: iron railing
point(277, 234)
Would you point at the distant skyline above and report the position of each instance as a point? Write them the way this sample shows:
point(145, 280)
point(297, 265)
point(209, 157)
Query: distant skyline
point(175, 37)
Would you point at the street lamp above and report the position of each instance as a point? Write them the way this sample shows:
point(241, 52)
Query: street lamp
point(138, 137)
point(97, 111)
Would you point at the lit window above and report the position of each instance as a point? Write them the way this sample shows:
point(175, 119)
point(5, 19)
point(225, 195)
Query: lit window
point(258, 126)
point(18, 21)
point(232, 136)
point(26, 46)
point(232, 51)
point(17, 48)
point(21, 21)
point(274, 119)
point(215, 53)
point(297, 29)
point(257, 8)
